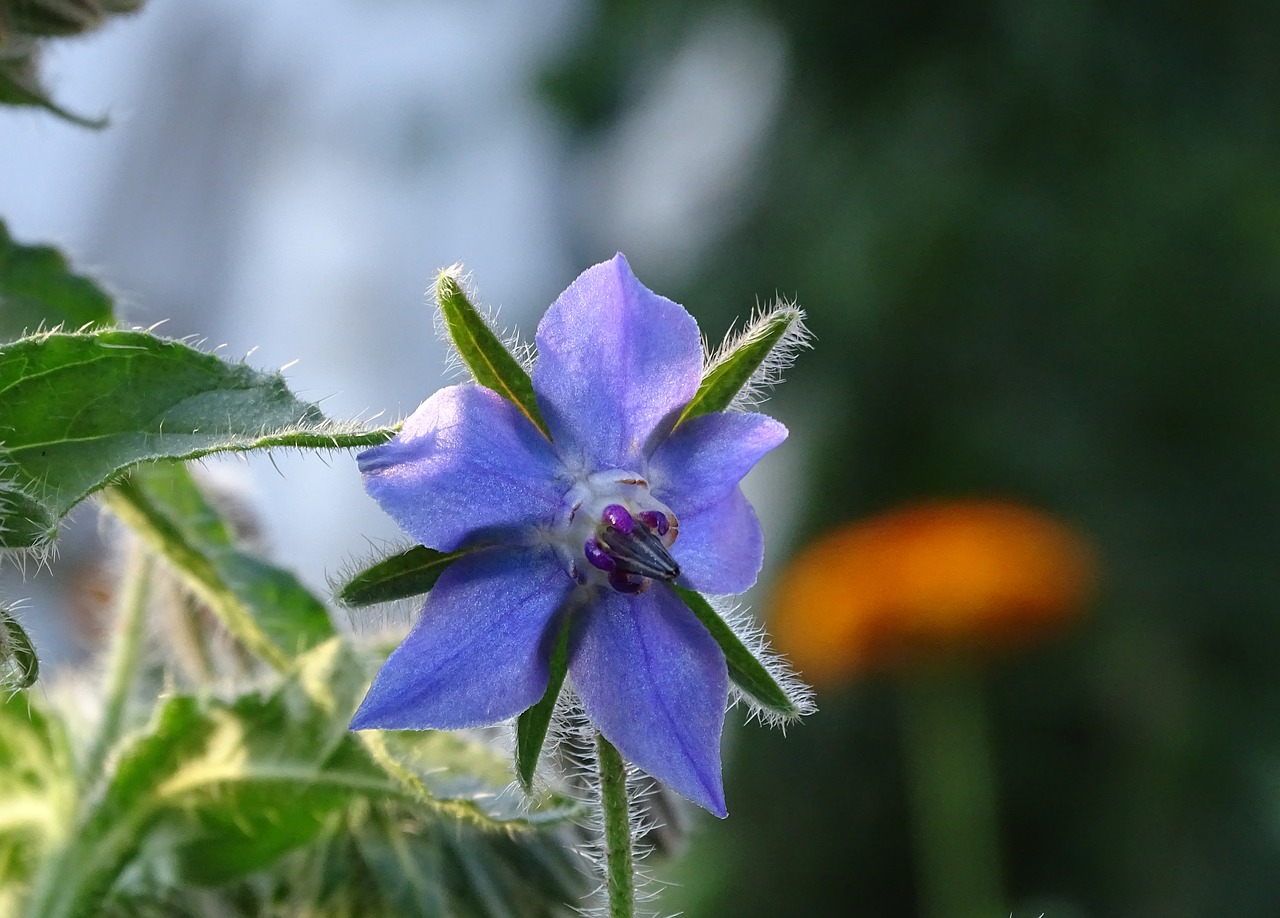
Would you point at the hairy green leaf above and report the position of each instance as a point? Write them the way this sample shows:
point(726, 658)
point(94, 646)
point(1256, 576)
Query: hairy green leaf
point(408, 573)
point(77, 409)
point(747, 673)
point(387, 861)
point(484, 354)
point(277, 768)
point(264, 606)
point(211, 790)
point(38, 290)
point(111, 828)
point(749, 356)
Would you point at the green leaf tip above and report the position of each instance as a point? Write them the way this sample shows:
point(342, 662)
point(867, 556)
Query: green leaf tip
point(746, 670)
point(489, 360)
point(750, 362)
point(403, 575)
point(532, 725)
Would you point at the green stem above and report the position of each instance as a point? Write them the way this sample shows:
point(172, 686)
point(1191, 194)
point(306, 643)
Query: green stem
point(123, 656)
point(953, 798)
point(618, 857)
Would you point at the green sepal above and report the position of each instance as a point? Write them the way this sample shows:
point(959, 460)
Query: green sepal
point(265, 607)
point(38, 290)
point(19, 667)
point(488, 359)
point(79, 408)
point(408, 573)
point(531, 726)
point(747, 673)
point(734, 370)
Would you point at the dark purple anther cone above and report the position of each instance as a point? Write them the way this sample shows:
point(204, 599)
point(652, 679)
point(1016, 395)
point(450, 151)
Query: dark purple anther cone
point(598, 557)
point(619, 518)
point(656, 520)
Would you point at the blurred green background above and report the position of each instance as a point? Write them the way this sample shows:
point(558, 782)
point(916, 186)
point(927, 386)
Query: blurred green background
point(1039, 244)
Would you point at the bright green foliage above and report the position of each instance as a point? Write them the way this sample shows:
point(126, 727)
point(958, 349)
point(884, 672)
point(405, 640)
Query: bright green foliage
point(216, 792)
point(37, 790)
point(264, 606)
point(405, 574)
point(79, 408)
point(485, 355)
point(747, 673)
point(38, 289)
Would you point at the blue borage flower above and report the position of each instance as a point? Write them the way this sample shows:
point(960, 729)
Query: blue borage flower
point(592, 526)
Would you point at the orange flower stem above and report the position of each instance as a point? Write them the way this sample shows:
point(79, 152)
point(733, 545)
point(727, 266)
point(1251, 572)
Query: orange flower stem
point(952, 794)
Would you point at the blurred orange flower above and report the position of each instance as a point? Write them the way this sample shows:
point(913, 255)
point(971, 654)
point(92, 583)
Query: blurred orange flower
point(925, 580)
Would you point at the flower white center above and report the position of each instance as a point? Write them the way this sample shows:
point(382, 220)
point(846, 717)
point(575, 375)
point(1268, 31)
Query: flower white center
point(614, 532)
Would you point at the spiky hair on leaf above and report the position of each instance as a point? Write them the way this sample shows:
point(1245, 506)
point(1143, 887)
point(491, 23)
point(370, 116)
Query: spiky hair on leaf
point(455, 366)
point(780, 328)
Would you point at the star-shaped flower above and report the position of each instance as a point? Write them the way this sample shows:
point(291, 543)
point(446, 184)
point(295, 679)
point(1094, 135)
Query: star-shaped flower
point(595, 522)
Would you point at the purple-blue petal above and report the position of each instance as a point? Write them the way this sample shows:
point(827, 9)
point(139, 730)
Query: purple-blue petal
point(705, 458)
point(615, 361)
point(480, 652)
point(720, 547)
point(654, 682)
point(467, 466)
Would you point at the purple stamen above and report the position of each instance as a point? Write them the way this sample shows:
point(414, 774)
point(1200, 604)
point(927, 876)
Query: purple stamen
point(598, 557)
point(626, 583)
point(619, 518)
point(656, 520)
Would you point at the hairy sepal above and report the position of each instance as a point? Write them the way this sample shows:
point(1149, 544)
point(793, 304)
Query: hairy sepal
point(490, 361)
point(403, 575)
point(762, 680)
point(750, 362)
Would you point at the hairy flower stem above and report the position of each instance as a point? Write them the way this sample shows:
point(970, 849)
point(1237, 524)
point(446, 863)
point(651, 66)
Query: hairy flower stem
point(618, 857)
point(123, 656)
point(953, 798)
